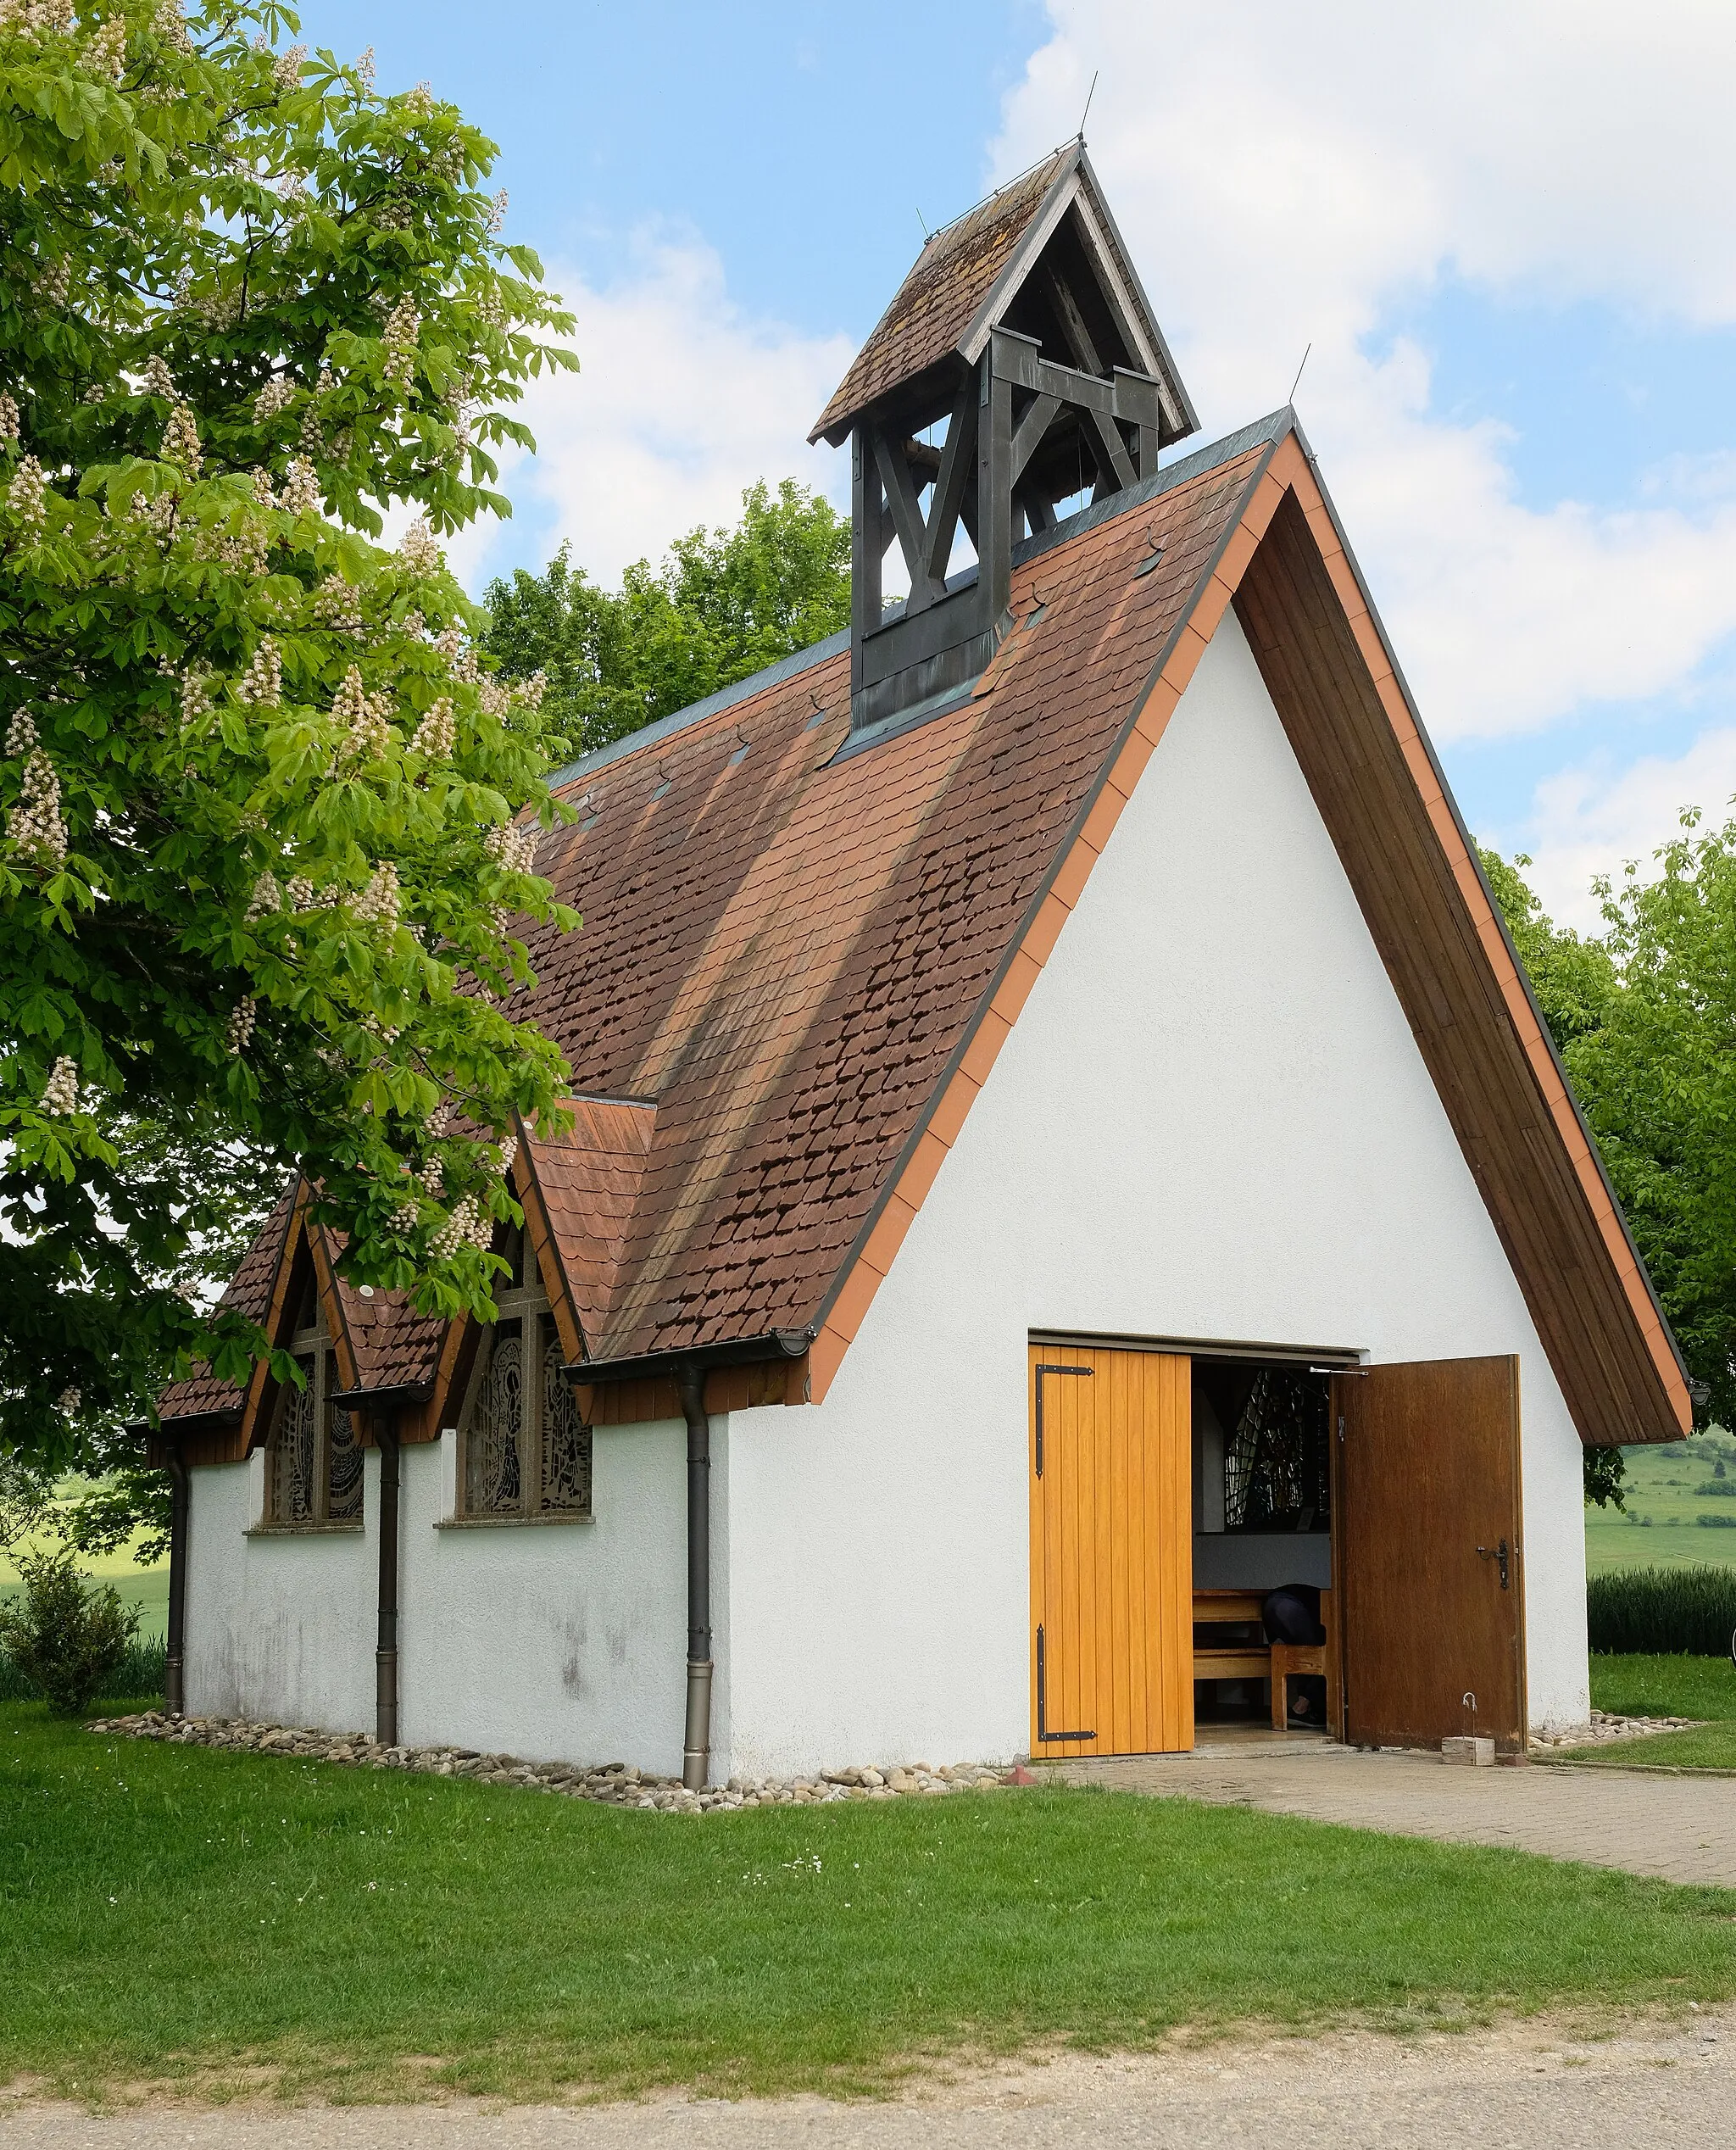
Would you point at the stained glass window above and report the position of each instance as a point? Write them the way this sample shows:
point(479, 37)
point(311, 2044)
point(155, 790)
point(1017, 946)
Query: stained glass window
point(314, 1456)
point(525, 1449)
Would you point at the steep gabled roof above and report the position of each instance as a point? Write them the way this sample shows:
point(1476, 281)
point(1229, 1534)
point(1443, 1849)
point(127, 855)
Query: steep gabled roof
point(808, 950)
point(202, 1395)
point(968, 274)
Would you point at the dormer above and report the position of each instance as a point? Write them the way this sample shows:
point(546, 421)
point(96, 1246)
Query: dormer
point(1018, 366)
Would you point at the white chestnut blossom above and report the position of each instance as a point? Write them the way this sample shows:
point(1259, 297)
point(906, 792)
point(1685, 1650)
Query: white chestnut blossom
point(28, 493)
point(364, 71)
point(437, 735)
point(420, 100)
point(60, 1093)
point(466, 1227)
point(266, 900)
point(497, 211)
point(54, 281)
point(195, 695)
point(241, 1026)
point(439, 1120)
point(300, 892)
point(277, 394)
point(379, 903)
point(513, 847)
point(36, 825)
point(494, 696)
point(366, 718)
point(312, 439)
point(419, 550)
point(403, 327)
point(261, 685)
point(39, 18)
point(171, 23)
point(157, 380)
point(264, 496)
point(509, 1154)
point(301, 488)
point(106, 54)
point(337, 602)
point(286, 71)
point(530, 691)
point(21, 732)
point(432, 1176)
point(181, 440)
point(450, 641)
point(68, 1402)
point(8, 417)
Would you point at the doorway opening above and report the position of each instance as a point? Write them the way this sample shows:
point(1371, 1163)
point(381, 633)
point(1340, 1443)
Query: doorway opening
point(1262, 1526)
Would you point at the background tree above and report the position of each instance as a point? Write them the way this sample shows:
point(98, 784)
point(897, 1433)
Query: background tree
point(1645, 1017)
point(260, 798)
point(726, 603)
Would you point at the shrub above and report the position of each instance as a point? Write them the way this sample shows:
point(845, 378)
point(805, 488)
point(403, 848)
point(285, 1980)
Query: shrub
point(1648, 1610)
point(139, 1677)
point(69, 1637)
point(1716, 1522)
point(1720, 1488)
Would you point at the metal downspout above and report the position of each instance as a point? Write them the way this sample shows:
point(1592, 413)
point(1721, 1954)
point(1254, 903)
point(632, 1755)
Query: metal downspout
point(696, 1760)
point(386, 1649)
point(179, 1504)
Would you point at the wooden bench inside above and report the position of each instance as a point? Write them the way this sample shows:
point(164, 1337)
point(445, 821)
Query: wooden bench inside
point(1259, 1659)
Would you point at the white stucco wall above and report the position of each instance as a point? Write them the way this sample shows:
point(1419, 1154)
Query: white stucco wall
point(279, 1625)
point(1210, 1120)
point(552, 1640)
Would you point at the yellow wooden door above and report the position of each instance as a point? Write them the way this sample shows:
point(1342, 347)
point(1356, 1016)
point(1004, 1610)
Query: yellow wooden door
point(1111, 1552)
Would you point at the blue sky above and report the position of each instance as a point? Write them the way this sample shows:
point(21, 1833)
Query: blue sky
point(1509, 237)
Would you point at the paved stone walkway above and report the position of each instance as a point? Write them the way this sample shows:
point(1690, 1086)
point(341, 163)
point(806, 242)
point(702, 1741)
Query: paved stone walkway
point(1537, 2085)
point(1681, 1829)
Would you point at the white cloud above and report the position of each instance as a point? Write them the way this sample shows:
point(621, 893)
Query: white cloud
point(1282, 179)
point(1593, 819)
point(682, 401)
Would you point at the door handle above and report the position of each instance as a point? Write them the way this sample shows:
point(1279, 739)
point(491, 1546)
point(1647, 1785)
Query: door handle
point(1496, 1553)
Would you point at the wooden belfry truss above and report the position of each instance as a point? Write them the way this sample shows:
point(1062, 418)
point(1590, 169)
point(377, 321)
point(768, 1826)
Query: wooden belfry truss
point(1019, 365)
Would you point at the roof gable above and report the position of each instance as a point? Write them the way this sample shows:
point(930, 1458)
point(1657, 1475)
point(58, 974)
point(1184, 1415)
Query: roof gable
point(809, 957)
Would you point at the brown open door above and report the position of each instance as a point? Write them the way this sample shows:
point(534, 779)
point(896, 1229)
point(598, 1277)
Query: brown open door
point(1430, 1582)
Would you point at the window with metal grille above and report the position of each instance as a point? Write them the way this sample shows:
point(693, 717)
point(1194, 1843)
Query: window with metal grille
point(315, 1454)
point(524, 1450)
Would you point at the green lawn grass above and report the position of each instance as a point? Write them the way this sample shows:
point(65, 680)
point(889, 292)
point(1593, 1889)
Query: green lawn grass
point(213, 1921)
point(1664, 1686)
point(1711, 1746)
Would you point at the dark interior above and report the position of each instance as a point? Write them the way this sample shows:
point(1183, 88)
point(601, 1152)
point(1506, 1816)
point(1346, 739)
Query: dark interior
point(1262, 1509)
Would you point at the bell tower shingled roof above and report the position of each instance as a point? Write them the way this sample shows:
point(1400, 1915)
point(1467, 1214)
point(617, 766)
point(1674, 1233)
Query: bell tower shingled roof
point(1024, 332)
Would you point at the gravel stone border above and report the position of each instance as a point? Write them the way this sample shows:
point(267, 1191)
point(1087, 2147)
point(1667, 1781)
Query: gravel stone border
point(614, 1784)
point(1605, 1728)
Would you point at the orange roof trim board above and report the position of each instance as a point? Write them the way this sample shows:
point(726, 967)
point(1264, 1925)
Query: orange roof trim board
point(808, 958)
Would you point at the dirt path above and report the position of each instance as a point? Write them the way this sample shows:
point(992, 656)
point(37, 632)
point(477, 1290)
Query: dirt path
point(1680, 1828)
point(1546, 2086)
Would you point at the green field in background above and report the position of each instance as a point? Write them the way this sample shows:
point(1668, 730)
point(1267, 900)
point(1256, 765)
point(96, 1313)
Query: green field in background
point(147, 1588)
point(1660, 1527)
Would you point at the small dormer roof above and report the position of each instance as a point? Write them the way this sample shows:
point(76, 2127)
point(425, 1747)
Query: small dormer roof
point(969, 277)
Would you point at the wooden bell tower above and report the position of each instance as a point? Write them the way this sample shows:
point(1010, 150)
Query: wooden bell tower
point(1018, 366)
